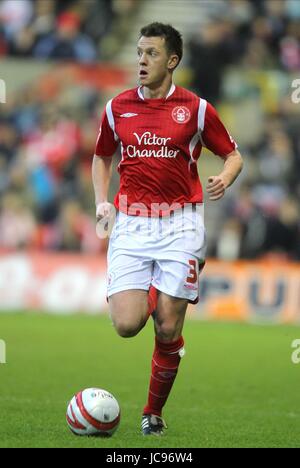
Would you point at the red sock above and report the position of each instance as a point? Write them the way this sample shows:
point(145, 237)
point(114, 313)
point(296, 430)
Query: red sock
point(165, 363)
point(152, 300)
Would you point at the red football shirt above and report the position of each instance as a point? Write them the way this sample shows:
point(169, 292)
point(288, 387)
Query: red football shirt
point(161, 141)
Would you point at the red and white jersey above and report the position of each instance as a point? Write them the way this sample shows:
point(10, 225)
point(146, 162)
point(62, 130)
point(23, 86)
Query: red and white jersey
point(161, 141)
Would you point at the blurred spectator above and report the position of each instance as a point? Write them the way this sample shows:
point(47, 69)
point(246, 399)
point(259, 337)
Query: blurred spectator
point(98, 18)
point(8, 141)
point(276, 159)
point(15, 15)
point(44, 20)
point(67, 43)
point(242, 232)
point(210, 53)
point(290, 52)
point(293, 9)
point(75, 230)
point(283, 231)
point(17, 223)
point(229, 242)
point(4, 181)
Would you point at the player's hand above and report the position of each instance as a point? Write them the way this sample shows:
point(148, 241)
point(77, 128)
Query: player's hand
point(216, 188)
point(104, 210)
point(105, 215)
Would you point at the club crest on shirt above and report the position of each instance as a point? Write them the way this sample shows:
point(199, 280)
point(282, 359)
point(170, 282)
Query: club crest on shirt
point(181, 114)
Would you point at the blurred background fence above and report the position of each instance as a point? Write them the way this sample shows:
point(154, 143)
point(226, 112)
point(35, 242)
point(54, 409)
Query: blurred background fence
point(62, 60)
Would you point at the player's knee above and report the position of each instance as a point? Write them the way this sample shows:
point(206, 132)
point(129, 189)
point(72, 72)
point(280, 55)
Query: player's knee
point(126, 329)
point(166, 330)
point(126, 321)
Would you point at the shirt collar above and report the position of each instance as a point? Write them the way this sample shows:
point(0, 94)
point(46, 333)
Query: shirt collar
point(171, 91)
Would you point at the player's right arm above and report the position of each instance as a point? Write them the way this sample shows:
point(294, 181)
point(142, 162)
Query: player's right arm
point(101, 173)
point(106, 146)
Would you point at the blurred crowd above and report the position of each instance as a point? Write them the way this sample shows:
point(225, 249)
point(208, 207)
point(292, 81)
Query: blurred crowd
point(60, 29)
point(46, 147)
point(259, 39)
point(46, 152)
point(256, 34)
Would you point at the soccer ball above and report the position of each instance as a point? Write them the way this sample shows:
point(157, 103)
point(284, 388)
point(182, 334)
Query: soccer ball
point(93, 412)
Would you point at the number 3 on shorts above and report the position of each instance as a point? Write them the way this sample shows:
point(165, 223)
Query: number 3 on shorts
point(193, 274)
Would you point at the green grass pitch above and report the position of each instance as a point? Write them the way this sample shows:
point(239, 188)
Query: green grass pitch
point(237, 386)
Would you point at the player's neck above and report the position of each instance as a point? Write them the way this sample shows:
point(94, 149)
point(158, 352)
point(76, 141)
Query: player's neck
point(160, 92)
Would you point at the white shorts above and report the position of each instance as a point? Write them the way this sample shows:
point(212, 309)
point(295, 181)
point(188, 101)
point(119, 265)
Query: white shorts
point(167, 252)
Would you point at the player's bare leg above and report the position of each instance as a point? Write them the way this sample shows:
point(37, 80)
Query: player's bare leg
point(169, 348)
point(169, 318)
point(130, 310)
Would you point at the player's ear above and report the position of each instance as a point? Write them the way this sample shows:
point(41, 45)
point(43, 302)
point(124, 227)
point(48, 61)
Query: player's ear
point(173, 62)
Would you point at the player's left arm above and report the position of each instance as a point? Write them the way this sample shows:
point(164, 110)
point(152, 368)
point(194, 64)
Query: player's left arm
point(217, 185)
point(217, 139)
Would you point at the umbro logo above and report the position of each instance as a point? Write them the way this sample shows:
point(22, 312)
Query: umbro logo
point(129, 114)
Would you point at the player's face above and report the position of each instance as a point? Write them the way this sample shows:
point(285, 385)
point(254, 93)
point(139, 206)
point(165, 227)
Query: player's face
point(154, 62)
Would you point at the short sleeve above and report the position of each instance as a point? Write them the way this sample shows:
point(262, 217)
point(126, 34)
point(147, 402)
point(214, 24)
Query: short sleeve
point(107, 141)
point(215, 136)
